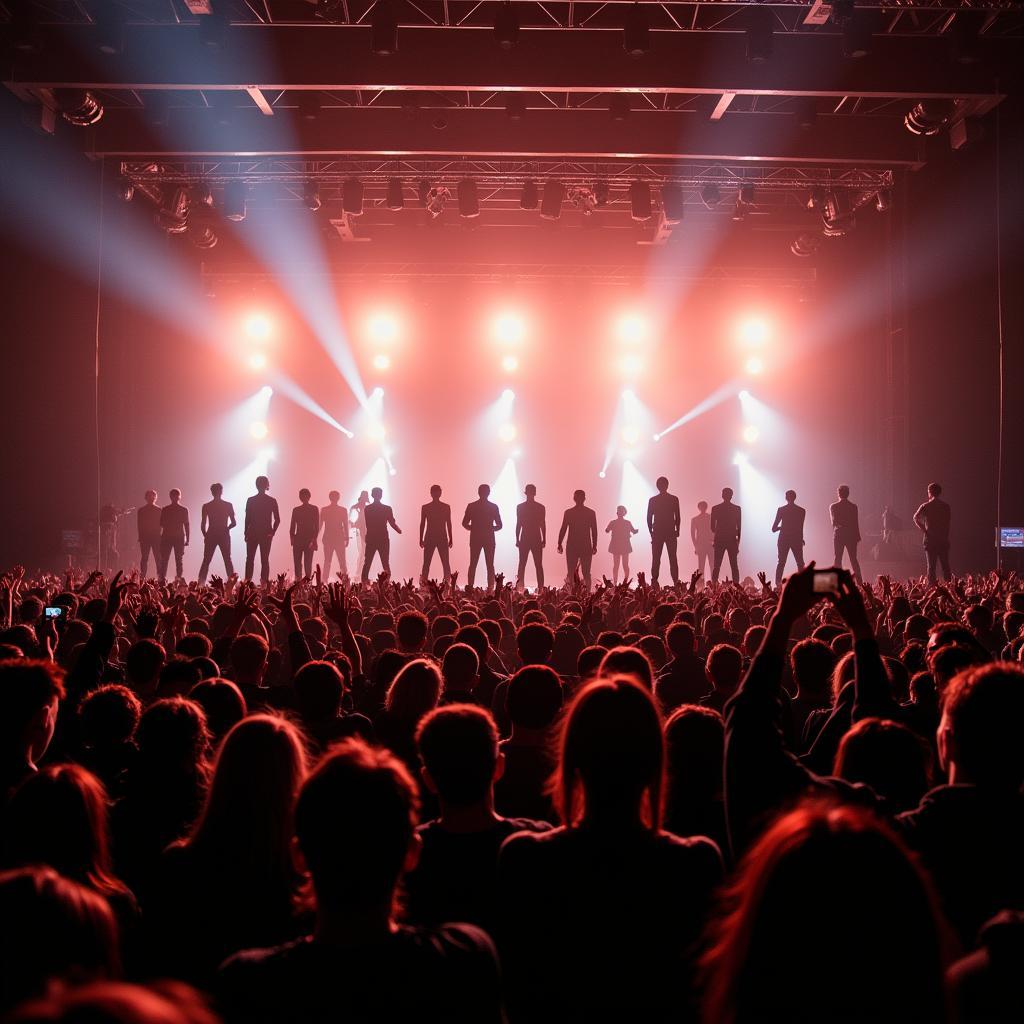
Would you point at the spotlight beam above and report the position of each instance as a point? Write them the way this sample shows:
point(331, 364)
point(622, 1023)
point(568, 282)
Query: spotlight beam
point(290, 390)
point(705, 405)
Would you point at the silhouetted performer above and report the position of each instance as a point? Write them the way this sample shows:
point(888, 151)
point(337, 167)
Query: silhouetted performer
point(148, 521)
point(703, 539)
point(663, 523)
point(262, 519)
point(620, 547)
point(436, 534)
point(334, 520)
point(933, 519)
point(531, 535)
point(216, 523)
point(483, 520)
point(173, 534)
point(725, 527)
point(578, 536)
point(845, 529)
point(303, 532)
point(789, 525)
point(110, 557)
point(359, 525)
point(377, 517)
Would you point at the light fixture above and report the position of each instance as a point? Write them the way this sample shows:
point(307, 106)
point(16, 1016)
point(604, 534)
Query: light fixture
point(636, 32)
point(436, 198)
point(234, 200)
point(601, 193)
point(929, 117)
point(751, 434)
point(258, 430)
point(640, 200)
point(805, 244)
point(382, 361)
point(173, 215)
point(760, 37)
point(423, 191)
point(395, 198)
point(201, 234)
point(383, 29)
point(506, 26)
point(311, 195)
point(551, 204)
point(125, 190)
point(510, 363)
point(883, 200)
point(469, 201)
point(352, 197)
point(672, 203)
point(710, 195)
point(79, 107)
point(583, 199)
point(507, 432)
point(816, 198)
point(754, 365)
point(529, 197)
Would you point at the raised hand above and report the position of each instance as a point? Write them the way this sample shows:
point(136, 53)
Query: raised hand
point(338, 605)
point(115, 596)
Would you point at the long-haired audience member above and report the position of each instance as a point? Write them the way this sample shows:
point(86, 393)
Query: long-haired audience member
point(415, 691)
point(609, 896)
point(233, 883)
point(355, 822)
point(107, 720)
point(31, 692)
point(223, 704)
point(828, 918)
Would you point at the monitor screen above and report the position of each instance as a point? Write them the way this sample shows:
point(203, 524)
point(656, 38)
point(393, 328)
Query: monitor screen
point(1011, 536)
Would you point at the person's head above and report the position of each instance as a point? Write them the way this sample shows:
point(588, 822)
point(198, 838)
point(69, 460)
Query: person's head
point(411, 630)
point(620, 511)
point(579, 496)
point(30, 694)
point(177, 677)
point(414, 690)
point(304, 495)
point(355, 822)
point(248, 656)
point(727, 494)
point(611, 758)
point(629, 661)
point(948, 661)
point(143, 662)
point(223, 703)
point(150, 497)
point(530, 490)
point(791, 496)
point(334, 497)
point(460, 668)
point(377, 493)
point(175, 495)
point(843, 491)
point(117, 1002)
point(654, 650)
point(725, 667)
point(484, 490)
point(435, 491)
point(828, 917)
point(662, 484)
point(534, 643)
point(216, 490)
point(458, 746)
point(979, 734)
point(173, 738)
point(194, 645)
point(262, 484)
point(534, 698)
point(694, 752)
point(108, 717)
point(680, 639)
point(588, 661)
point(888, 757)
point(52, 929)
point(477, 638)
point(812, 663)
point(934, 490)
point(702, 507)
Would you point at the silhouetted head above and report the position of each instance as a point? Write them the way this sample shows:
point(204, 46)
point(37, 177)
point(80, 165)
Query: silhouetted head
point(579, 497)
point(484, 490)
point(620, 511)
point(460, 668)
point(791, 496)
point(727, 494)
point(662, 484)
point(377, 493)
point(534, 643)
point(934, 490)
point(175, 495)
point(702, 506)
point(628, 661)
point(435, 491)
point(694, 750)
point(262, 484)
point(304, 495)
point(411, 629)
point(888, 757)
point(530, 490)
point(30, 693)
point(458, 746)
point(223, 703)
point(216, 490)
point(334, 497)
point(535, 697)
point(843, 492)
point(150, 497)
point(414, 690)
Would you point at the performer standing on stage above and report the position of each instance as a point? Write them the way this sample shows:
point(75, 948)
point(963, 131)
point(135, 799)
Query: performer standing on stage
point(620, 547)
point(216, 523)
point(377, 518)
point(579, 534)
point(334, 519)
point(845, 529)
point(703, 539)
point(663, 522)
point(933, 519)
point(725, 526)
point(789, 525)
point(358, 522)
point(436, 534)
point(262, 519)
point(174, 534)
point(483, 520)
point(531, 535)
point(303, 531)
point(148, 522)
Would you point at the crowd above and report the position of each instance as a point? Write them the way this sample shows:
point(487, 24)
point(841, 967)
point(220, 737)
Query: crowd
point(314, 802)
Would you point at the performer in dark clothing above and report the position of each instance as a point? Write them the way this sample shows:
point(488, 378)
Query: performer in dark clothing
point(789, 525)
point(378, 517)
point(148, 520)
point(262, 519)
point(436, 534)
point(483, 520)
point(216, 523)
point(531, 535)
point(725, 525)
point(845, 529)
point(173, 534)
point(578, 537)
point(663, 523)
point(334, 520)
point(933, 519)
point(303, 532)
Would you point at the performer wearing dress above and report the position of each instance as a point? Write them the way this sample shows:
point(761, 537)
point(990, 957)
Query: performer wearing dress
point(621, 530)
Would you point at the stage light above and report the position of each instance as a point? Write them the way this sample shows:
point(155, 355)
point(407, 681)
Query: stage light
point(740, 459)
point(632, 328)
point(751, 434)
point(551, 204)
point(640, 200)
point(436, 198)
point(383, 29)
point(234, 200)
point(257, 361)
point(392, 471)
point(506, 26)
point(257, 326)
point(630, 434)
point(267, 391)
point(628, 395)
point(509, 328)
point(807, 243)
point(657, 437)
point(754, 331)
point(352, 197)
point(382, 361)
point(469, 202)
point(754, 365)
point(710, 195)
point(382, 327)
point(636, 32)
point(258, 429)
point(529, 198)
point(508, 394)
point(602, 474)
point(378, 394)
point(79, 107)
point(672, 204)
point(395, 199)
point(929, 117)
point(510, 363)
point(311, 195)
point(883, 200)
point(173, 213)
point(507, 432)
point(601, 193)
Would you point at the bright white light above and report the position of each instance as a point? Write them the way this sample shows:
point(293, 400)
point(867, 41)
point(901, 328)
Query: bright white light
point(266, 390)
point(631, 365)
point(751, 433)
point(629, 394)
point(744, 395)
point(382, 361)
point(392, 471)
point(740, 459)
point(631, 328)
point(507, 432)
point(509, 328)
point(257, 326)
point(508, 394)
point(378, 393)
point(657, 437)
point(754, 331)
point(630, 433)
point(257, 361)
point(377, 432)
point(258, 429)
point(510, 363)
point(382, 326)
point(754, 365)
point(602, 474)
